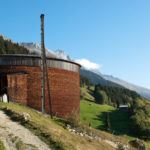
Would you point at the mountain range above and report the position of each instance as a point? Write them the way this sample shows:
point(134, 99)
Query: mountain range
point(36, 49)
point(140, 90)
point(93, 75)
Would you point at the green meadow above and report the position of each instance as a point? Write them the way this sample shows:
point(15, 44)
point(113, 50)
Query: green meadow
point(95, 115)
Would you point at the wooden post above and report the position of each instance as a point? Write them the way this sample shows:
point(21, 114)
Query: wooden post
point(44, 69)
point(42, 64)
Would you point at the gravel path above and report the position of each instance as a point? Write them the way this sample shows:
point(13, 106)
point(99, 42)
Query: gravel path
point(12, 133)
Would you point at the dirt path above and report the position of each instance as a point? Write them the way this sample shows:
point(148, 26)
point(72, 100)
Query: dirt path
point(15, 136)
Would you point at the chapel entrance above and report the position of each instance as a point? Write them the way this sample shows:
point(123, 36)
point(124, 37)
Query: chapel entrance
point(3, 84)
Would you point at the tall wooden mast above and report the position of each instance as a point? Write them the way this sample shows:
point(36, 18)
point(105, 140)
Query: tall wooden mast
point(44, 68)
point(43, 56)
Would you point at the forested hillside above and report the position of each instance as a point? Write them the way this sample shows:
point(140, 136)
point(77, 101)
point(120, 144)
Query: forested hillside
point(8, 47)
point(112, 95)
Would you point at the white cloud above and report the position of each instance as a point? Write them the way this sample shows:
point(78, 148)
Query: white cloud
point(88, 64)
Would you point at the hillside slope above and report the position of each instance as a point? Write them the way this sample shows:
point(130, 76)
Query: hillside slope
point(18, 136)
point(141, 90)
point(96, 116)
point(54, 132)
point(107, 80)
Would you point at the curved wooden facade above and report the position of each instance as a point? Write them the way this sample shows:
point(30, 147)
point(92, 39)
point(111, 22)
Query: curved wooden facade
point(20, 77)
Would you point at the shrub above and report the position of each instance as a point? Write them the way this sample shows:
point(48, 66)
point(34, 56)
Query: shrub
point(140, 120)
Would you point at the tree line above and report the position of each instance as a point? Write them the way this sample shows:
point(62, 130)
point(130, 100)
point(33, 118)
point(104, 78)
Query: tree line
point(111, 95)
point(140, 119)
point(8, 47)
point(114, 95)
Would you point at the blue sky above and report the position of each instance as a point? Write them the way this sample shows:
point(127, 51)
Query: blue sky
point(112, 33)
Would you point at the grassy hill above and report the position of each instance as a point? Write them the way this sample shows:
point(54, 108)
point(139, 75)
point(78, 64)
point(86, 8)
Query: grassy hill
point(55, 133)
point(95, 115)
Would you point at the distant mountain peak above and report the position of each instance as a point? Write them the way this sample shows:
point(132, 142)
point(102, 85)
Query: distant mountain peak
point(61, 54)
point(31, 44)
point(36, 48)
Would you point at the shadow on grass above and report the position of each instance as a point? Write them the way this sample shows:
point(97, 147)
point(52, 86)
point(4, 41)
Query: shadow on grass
point(91, 92)
point(117, 122)
point(89, 100)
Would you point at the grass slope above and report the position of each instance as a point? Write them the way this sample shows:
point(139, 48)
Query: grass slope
point(95, 114)
point(2, 146)
point(52, 133)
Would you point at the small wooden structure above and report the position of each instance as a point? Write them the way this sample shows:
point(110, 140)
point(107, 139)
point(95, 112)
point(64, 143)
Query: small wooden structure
point(123, 107)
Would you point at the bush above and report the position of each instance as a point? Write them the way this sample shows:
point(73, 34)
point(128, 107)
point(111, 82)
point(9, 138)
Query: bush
point(140, 119)
point(138, 144)
point(120, 147)
point(101, 97)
